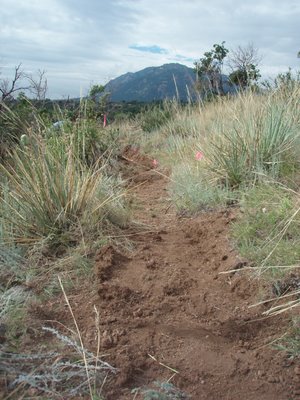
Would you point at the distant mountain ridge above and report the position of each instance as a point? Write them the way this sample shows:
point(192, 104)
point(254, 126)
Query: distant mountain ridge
point(153, 84)
point(168, 81)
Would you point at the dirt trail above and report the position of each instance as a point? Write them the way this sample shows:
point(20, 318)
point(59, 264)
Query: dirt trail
point(169, 301)
point(166, 304)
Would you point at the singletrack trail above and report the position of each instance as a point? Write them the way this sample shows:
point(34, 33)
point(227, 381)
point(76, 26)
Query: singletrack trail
point(166, 312)
point(167, 304)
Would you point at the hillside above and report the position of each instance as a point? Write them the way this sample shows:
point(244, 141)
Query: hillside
point(157, 83)
point(152, 84)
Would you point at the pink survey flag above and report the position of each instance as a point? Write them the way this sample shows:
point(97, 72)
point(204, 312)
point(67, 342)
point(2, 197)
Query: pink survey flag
point(104, 121)
point(155, 163)
point(199, 155)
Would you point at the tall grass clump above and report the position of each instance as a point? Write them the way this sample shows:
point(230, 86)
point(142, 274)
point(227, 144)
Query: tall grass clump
point(267, 230)
point(255, 136)
point(13, 296)
point(245, 140)
point(48, 189)
point(89, 140)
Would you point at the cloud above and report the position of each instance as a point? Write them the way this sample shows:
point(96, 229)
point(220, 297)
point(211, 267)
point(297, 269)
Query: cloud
point(149, 49)
point(78, 42)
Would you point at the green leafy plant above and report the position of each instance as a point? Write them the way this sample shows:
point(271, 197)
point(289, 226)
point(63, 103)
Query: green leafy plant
point(209, 69)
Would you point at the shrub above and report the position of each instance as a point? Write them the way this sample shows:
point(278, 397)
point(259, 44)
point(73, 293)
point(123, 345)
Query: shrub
point(154, 117)
point(191, 192)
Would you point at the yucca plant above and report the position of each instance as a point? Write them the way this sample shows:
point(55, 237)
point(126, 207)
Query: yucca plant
point(259, 138)
point(47, 191)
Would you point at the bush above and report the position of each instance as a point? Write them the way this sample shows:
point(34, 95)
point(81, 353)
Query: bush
point(191, 192)
point(154, 117)
point(89, 141)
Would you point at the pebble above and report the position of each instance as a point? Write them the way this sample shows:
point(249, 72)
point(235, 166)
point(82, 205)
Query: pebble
point(138, 313)
point(110, 320)
point(106, 340)
point(297, 370)
point(273, 379)
point(150, 263)
point(260, 373)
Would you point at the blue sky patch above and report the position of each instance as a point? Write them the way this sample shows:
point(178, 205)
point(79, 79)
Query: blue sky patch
point(180, 57)
point(149, 49)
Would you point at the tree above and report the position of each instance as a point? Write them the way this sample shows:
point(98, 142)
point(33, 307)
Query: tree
point(96, 103)
point(243, 63)
point(9, 87)
point(96, 91)
point(38, 86)
point(209, 69)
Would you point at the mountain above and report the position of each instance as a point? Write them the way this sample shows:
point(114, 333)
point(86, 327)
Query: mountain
point(152, 84)
point(158, 83)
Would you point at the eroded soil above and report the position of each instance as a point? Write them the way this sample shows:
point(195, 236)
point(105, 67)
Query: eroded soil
point(166, 305)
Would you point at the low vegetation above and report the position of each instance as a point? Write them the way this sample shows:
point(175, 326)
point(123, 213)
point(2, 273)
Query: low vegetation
point(61, 189)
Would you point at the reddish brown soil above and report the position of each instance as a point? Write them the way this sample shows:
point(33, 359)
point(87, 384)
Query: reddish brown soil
point(167, 303)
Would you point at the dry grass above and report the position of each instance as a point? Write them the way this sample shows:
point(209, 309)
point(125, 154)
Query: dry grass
point(68, 372)
point(46, 192)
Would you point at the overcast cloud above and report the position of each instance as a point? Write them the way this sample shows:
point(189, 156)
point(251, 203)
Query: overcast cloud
point(80, 42)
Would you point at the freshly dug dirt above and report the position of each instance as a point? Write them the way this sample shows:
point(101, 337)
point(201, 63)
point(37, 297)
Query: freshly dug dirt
point(165, 307)
point(167, 304)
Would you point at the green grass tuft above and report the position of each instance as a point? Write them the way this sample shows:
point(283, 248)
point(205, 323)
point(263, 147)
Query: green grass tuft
point(264, 231)
point(192, 193)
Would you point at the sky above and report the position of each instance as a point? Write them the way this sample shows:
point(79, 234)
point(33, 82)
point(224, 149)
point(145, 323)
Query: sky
point(84, 42)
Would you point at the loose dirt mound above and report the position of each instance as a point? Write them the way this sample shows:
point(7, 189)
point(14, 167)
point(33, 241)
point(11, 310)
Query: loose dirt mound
point(166, 308)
